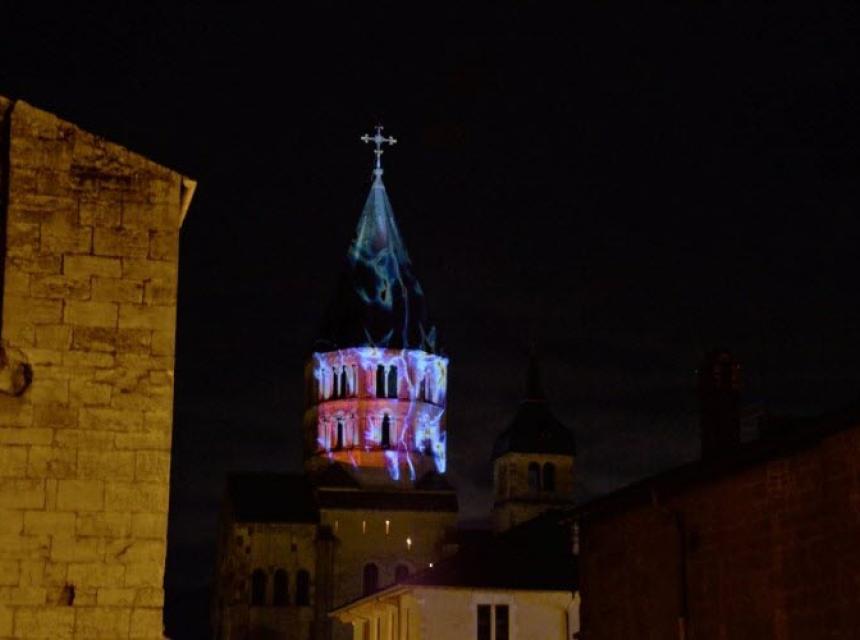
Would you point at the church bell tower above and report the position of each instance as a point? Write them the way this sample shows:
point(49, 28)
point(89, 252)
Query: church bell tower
point(376, 382)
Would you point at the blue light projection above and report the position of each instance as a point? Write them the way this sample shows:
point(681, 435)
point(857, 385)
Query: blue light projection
point(364, 423)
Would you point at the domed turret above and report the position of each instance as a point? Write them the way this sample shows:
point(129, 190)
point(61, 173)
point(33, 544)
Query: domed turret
point(533, 460)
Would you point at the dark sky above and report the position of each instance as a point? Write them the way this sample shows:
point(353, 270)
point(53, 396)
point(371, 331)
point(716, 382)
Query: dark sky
point(627, 189)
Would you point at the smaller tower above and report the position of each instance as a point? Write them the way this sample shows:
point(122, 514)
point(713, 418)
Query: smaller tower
point(719, 402)
point(533, 460)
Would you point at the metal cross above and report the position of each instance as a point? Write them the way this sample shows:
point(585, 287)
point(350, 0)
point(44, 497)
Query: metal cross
point(378, 139)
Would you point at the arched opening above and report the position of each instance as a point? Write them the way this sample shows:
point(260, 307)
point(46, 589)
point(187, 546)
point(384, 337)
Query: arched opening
point(258, 588)
point(303, 588)
point(280, 589)
point(401, 572)
point(344, 389)
point(534, 477)
point(370, 578)
point(335, 387)
point(392, 381)
point(339, 443)
point(385, 438)
point(549, 477)
point(354, 380)
point(380, 381)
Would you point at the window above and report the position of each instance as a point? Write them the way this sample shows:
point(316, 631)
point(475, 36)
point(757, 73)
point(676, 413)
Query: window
point(380, 381)
point(280, 590)
point(549, 477)
point(344, 390)
point(339, 444)
point(258, 588)
point(371, 578)
point(534, 476)
point(303, 588)
point(392, 382)
point(386, 432)
point(485, 614)
point(401, 572)
point(354, 380)
point(334, 384)
point(493, 618)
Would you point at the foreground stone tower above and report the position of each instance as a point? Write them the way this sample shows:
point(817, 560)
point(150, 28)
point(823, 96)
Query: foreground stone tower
point(86, 384)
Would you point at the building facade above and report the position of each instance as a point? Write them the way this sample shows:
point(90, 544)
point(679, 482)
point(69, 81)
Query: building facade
point(373, 505)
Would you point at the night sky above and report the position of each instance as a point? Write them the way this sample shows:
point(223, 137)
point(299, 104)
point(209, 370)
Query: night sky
point(623, 189)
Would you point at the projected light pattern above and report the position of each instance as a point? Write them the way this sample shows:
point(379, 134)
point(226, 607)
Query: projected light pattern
point(388, 402)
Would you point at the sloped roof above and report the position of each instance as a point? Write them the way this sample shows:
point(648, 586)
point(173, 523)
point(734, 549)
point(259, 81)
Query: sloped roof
point(534, 428)
point(271, 497)
point(379, 301)
point(408, 500)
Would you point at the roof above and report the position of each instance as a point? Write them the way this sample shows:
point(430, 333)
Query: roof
point(409, 500)
point(379, 301)
point(786, 436)
point(535, 429)
point(271, 497)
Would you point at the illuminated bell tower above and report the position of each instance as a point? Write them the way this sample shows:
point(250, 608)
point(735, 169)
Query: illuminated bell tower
point(376, 385)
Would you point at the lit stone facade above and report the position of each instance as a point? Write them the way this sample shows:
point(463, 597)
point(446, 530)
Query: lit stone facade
point(86, 389)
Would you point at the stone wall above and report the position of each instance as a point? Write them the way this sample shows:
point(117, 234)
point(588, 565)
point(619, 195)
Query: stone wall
point(765, 550)
point(89, 308)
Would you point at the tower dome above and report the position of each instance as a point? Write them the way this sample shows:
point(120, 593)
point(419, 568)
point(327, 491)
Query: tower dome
point(533, 460)
point(376, 383)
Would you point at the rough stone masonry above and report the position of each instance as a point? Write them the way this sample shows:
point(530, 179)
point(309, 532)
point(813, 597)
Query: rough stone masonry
point(86, 379)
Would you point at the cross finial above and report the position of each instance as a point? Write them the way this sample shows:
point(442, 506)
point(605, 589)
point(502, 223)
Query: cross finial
point(378, 139)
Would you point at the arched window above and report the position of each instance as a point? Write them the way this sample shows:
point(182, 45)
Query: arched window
point(392, 382)
point(370, 577)
point(344, 390)
point(380, 381)
point(401, 572)
point(339, 444)
point(303, 588)
point(386, 432)
point(280, 590)
point(354, 380)
point(534, 476)
point(335, 388)
point(549, 477)
point(258, 588)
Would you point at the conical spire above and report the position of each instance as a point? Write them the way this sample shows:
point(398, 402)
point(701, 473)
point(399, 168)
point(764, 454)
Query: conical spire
point(379, 301)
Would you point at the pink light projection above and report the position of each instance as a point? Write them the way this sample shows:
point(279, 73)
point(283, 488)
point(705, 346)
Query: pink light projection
point(375, 407)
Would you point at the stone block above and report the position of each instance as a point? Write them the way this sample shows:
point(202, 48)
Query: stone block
point(107, 419)
point(60, 238)
point(16, 282)
point(50, 623)
point(9, 573)
point(59, 286)
point(104, 523)
point(22, 595)
point(116, 465)
point(137, 269)
point(78, 359)
point(144, 574)
point(71, 548)
point(55, 573)
point(116, 596)
point(135, 496)
point(15, 412)
point(35, 264)
point(48, 391)
point(48, 522)
point(44, 357)
point(20, 547)
point(32, 573)
point(130, 551)
point(160, 294)
point(80, 495)
point(149, 597)
point(135, 316)
point(146, 624)
point(55, 416)
point(41, 209)
point(163, 343)
point(77, 438)
point(6, 617)
point(106, 623)
point(121, 242)
point(99, 213)
point(52, 462)
point(13, 462)
point(146, 215)
point(20, 309)
point(117, 290)
point(88, 394)
point(149, 525)
point(157, 441)
point(22, 493)
point(86, 266)
point(152, 466)
point(22, 239)
point(25, 436)
point(96, 574)
point(91, 314)
point(164, 245)
point(11, 521)
point(53, 336)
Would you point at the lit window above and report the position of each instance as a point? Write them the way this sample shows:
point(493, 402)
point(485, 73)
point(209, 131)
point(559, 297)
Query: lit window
point(492, 619)
point(364, 526)
point(408, 543)
point(387, 527)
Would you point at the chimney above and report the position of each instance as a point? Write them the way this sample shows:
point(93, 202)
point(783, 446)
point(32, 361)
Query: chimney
point(719, 402)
